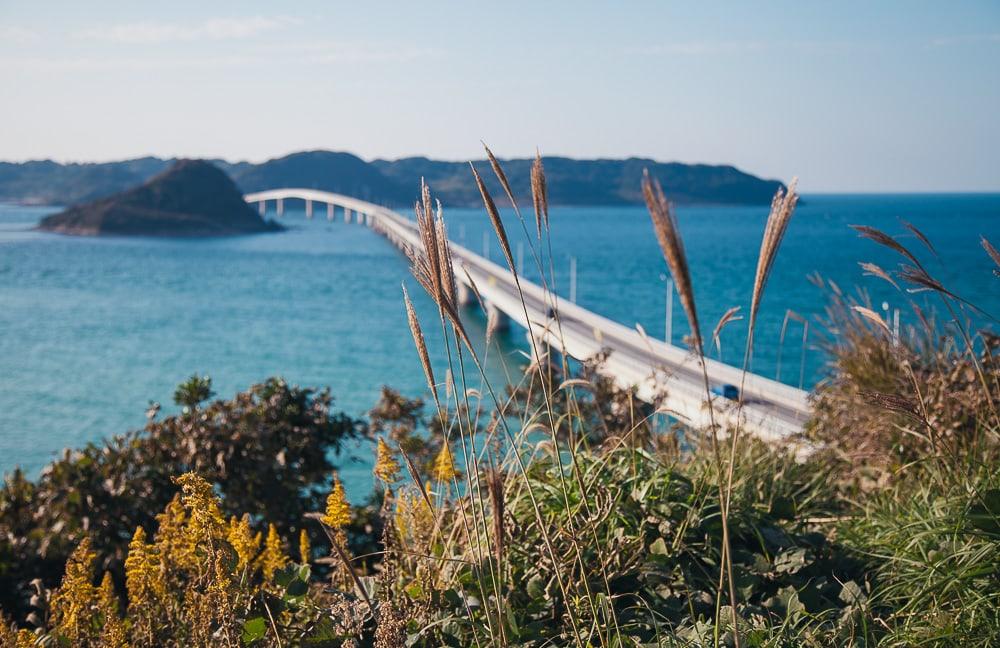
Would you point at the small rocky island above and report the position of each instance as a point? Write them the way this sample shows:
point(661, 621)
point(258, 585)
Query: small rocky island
point(191, 198)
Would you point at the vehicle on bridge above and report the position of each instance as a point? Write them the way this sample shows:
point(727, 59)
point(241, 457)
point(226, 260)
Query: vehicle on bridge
point(732, 392)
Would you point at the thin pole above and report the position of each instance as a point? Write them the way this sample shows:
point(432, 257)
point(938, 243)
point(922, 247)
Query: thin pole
point(802, 362)
point(895, 327)
point(668, 328)
point(781, 343)
point(520, 258)
point(572, 279)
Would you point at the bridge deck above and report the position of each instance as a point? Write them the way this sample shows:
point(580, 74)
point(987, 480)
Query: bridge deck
point(771, 410)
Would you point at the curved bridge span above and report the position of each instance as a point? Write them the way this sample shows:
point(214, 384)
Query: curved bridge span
point(771, 410)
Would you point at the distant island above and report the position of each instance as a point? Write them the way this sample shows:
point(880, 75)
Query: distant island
point(190, 198)
point(601, 182)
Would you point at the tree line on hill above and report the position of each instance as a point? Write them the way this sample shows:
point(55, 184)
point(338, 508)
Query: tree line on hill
point(603, 182)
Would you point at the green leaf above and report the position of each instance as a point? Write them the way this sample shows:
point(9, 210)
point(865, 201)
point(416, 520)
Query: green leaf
point(254, 630)
point(659, 547)
point(851, 593)
point(303, 572)
point(452, 598)
point(297, 588)
point(790, 561)
point(286, 575)
point(984, 515)
point(536, 587)
point(415, 591)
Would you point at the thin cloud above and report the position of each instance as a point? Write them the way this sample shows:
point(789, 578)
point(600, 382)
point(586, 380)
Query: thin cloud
point(215, 29)
point(39, 64)
point(287, 55)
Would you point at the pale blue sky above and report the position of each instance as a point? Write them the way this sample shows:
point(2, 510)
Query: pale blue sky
point(849, 96)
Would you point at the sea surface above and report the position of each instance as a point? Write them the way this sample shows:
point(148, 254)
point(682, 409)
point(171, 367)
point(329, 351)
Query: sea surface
point(94, 329)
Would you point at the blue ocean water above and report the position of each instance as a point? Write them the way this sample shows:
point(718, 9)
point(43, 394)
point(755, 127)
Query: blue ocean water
point(92, 330)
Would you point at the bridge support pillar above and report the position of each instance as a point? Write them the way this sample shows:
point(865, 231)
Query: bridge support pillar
point(309, 208)
point(262, 207)
point(540, 352)
point(281, 206)
point(464, 295)
point(496, 318)
point(347, 215)
point(329, 211)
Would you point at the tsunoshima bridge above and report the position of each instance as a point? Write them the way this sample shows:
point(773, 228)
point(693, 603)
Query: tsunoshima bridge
point(660, 371)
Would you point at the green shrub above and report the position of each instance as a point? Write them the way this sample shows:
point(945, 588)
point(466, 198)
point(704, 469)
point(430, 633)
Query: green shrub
point(267, 450)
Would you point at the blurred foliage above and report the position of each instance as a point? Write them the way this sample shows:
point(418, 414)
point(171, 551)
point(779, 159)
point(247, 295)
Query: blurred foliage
point(267, 450)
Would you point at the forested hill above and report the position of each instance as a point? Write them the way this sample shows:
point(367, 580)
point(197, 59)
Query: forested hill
point(396, 182)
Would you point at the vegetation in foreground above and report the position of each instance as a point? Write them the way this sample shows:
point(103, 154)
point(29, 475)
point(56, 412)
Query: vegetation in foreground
point(554, 513)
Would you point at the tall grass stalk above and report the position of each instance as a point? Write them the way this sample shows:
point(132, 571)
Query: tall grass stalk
point(544, 380)
point(669, 238)
point(426, 264)
point(782, 208)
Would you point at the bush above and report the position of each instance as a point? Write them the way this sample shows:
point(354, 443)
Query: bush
point(267, 450)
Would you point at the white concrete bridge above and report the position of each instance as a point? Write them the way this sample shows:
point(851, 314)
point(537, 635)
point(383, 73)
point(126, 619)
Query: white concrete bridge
point(772, 410)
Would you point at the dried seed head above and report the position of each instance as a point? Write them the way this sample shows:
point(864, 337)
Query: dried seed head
point(782, 208)
point(873, 270)
point(668, 235)
point(539, 194)
point(892, 402)
point(418, 341)
point(502, 177)
point(727, 317)
point(920, 235)
point(432, 266)
point(498, 227)
point(992, 251)
point(494, 483)
point(871, 316)
point(885, 240)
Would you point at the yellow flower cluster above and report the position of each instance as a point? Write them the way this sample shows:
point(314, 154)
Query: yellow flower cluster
point(143, 573)
point(305, 551)
point(183, 581)
point(113, 634)
point(243, 540)
point(176, 546)
point(386, 466)
point(273, 557)
point(20, 639)
point(338, 511)
point(72, 606)
point(197, 497)
point(444, 465)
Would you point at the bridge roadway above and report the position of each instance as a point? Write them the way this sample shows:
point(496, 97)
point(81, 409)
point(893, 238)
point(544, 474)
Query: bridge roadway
point(772, 410)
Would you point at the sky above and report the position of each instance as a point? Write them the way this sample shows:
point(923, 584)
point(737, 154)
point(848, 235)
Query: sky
point(896, 95)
